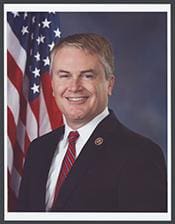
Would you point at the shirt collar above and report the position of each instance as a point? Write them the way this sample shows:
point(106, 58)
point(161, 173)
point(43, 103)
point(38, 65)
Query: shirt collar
point(89, 127)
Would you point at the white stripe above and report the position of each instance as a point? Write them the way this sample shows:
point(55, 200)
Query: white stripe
point(10, 155)
point(13, 100)
point(15, 49)
point(31, 124)
point(66, 168)
point(15, 180)
point(74, 157)
point(44, 118)
point(69, 161)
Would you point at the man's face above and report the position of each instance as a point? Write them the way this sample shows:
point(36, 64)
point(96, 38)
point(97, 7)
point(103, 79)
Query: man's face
point(79, 85)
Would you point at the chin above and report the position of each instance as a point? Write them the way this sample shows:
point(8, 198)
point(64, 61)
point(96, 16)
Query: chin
point(76, 117)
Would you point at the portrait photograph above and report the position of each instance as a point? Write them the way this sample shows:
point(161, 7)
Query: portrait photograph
point(87, 112)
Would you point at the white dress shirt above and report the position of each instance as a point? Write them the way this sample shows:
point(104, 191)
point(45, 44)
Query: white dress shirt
point(84, 134)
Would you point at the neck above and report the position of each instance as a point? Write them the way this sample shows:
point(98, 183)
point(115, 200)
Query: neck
point(76, 125)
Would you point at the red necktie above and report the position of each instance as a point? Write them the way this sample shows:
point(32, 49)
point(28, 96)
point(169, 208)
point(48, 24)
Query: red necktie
point(67, 163)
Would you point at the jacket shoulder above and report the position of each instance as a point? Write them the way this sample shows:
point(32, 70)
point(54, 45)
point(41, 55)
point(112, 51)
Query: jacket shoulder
point(44, 144)
point(124, 142)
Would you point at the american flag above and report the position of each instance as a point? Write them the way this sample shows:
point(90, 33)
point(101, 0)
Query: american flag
point(32, 110)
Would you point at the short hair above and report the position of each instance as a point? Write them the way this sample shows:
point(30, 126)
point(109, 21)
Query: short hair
point(92, 43)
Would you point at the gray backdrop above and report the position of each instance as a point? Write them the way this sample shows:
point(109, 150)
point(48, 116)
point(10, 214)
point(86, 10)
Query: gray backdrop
point(139, 42)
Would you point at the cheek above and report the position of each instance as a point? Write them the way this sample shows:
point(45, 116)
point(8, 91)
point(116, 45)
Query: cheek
point(99, 95)
point(102, 90)
point(57, 89)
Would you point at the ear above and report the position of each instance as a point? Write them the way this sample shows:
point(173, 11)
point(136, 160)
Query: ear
point(111, 83)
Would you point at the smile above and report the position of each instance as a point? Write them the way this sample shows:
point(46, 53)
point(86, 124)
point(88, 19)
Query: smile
point(77, 99)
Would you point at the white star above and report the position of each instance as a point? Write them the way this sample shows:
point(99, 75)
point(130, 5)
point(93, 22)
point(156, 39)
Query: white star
point(15, 14)
point(38, 40)
point(33, 19)
point(42, 38)
point(57, 33)
point(46, 61)
point(37, 56)
point(46, 23)
point(51, 46)
point(24, 30)
point(36, 72)
point(25, 15)
point(35, 88)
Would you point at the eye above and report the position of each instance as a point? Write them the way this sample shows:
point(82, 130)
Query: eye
point(63, 75)
point(88, 75)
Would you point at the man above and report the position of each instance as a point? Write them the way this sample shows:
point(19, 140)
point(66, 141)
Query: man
point(105, 166)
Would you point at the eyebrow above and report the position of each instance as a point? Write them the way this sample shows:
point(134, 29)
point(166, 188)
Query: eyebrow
point(88, 71)
point(62, 71)
point(81, 72)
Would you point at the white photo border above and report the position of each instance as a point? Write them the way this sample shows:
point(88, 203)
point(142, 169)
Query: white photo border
point(107, 216)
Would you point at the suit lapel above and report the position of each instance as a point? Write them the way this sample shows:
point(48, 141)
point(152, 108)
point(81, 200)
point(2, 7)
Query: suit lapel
point(51, 145)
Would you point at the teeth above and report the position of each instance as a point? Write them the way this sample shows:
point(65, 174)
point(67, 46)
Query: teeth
point(75, 98)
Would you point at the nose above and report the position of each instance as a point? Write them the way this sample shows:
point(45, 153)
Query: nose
point(75, 85)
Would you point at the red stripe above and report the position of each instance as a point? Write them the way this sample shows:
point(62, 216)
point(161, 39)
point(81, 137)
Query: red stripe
point(14, 73)
point(27, 143)
point(70, 156)
point(23, 109)
point(54, 113)
point(11, 127)
point(18, 159)
point(18, 154)
point(67, 165)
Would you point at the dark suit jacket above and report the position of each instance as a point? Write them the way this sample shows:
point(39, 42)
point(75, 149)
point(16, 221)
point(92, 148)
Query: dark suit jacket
point(126, 173)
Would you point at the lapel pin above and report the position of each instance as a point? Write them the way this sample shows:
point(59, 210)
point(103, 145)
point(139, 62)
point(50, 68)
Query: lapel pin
point(99, 141)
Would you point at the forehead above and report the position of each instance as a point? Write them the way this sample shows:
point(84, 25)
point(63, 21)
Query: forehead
point(74, 55)
point(69, 50)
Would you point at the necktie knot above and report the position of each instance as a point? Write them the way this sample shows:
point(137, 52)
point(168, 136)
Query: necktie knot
point(73, 136)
